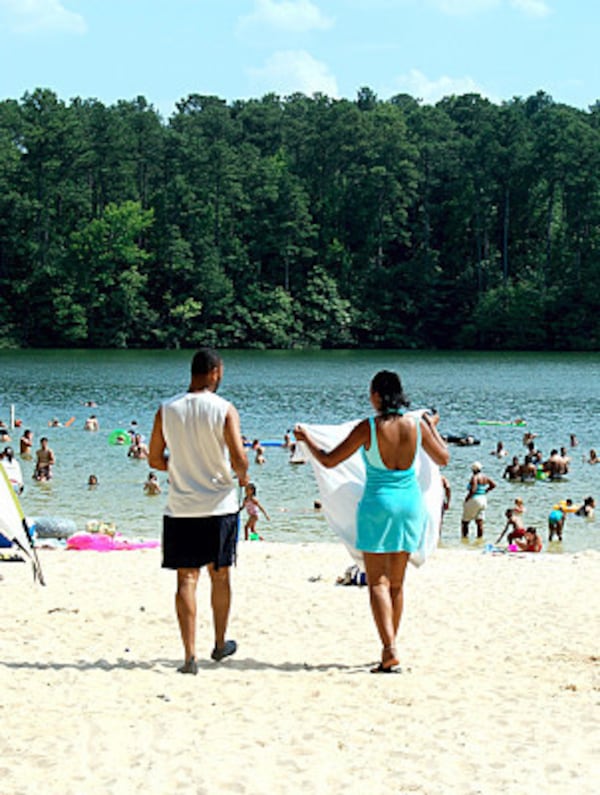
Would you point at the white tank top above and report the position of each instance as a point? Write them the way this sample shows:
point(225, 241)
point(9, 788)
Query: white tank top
point(201, 482)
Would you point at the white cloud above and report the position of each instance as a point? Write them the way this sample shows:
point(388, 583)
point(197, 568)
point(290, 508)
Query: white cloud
point(287, 16)
point(533, 8)
point(290, 71)
point(464, 7)
point(421, 87)
point(30, 16)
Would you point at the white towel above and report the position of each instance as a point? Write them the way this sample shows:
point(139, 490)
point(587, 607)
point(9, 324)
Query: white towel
point(341, 489)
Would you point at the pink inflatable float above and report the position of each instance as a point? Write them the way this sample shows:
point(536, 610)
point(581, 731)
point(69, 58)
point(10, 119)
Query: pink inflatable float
point(102, 542)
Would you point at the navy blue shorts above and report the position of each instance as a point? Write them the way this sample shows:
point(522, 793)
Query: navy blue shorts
point(192, 542)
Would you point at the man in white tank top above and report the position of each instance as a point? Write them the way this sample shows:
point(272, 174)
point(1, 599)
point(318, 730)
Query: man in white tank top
point(196, 438)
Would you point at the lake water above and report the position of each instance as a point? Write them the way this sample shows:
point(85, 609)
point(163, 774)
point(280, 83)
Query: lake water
point(558, 394)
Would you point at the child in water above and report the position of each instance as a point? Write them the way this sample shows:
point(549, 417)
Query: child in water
point(514, 523)
point(252, 506)
point(259, 453)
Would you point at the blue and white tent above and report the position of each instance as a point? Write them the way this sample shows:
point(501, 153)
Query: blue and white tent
point(13, 525)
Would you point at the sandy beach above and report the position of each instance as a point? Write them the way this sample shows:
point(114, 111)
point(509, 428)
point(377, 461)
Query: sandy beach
point(499, 689)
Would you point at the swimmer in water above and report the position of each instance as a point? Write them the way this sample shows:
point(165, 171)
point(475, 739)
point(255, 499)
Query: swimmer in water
point(152, 486)
point(138, 448)
point(500, 450)
point(513, 471)
point(259, 453)
point(45, 460)
point(587, 508)
point(13, 469)
point(25, 444)
point(91, 424)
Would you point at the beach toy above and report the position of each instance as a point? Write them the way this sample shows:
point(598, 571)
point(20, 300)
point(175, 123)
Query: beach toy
point(52, 526)
point(461, 439)
point(119, 436)
point(101, 542)
point(513, 548)
point(565, 507)
point(508, 423)
point(97, 526)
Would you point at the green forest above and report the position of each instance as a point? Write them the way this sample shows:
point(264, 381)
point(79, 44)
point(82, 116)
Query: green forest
point(300, 222)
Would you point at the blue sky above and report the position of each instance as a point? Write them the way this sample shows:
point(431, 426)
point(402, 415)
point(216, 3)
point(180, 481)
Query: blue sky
point(237, 49)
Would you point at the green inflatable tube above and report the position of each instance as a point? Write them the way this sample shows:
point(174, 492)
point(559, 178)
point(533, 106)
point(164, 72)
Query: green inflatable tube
point(513, 424)
point(119, 436)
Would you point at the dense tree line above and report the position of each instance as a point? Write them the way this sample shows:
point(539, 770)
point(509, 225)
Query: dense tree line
point(300, 222)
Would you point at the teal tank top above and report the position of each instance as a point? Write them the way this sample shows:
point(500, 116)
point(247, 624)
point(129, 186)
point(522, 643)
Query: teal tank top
point(391, 513)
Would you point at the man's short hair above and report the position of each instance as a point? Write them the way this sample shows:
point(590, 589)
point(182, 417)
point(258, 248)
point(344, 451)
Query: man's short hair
point(205, 360)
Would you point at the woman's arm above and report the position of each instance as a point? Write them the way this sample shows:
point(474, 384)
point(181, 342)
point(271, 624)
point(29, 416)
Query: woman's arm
point(432, 442)
point(357, 437)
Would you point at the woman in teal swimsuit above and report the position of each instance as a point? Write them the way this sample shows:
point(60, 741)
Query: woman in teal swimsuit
point(390, 519)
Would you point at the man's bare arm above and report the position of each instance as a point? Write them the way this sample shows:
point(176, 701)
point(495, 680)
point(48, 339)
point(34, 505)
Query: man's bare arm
point(233, 439)
point(157, 457)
